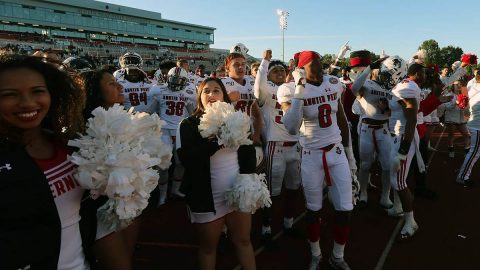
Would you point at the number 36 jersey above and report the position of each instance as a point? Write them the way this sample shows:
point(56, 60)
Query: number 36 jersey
point(136, 94)
point(172, 106)
point(319, 126)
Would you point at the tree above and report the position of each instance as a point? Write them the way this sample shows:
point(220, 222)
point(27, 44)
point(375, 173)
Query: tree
point(448, 55)
point(328, 59)
point(433, 51)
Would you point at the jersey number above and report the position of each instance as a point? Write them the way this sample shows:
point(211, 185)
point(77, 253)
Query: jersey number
point(278, 118)
point(244, 106)
point(324, 117)
point(175, 108)
point(136, 98)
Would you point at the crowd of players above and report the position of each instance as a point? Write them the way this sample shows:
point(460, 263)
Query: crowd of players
point(314, 130)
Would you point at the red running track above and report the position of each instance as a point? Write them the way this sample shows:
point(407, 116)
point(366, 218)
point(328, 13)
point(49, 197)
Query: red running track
point(448, 238)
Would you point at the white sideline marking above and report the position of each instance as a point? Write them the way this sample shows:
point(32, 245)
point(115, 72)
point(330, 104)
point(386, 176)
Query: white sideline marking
point(395, 232)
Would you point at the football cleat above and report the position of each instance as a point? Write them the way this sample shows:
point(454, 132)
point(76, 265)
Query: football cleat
point(339, 264)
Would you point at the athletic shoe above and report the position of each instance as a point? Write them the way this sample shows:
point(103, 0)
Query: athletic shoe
point(466, 183)
point(408, 231)
point(339, 264)
point(394, 212)
point(386, 203)
point(451, 152)
point(362, 204)
point(315, 262)
point(268, 242)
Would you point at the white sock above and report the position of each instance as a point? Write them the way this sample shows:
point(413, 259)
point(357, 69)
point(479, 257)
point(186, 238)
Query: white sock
point(409, 217)
point(288, 223)
point(224, 229)
point(337, 251)
point(266, 229)
point(363, 177)
point(315, 248)
point(163, 193)
point(386, 184)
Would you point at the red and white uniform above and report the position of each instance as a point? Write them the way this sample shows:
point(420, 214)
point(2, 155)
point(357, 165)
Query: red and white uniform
point(405, 89)
point(172, 107)
point(67, 195)
point(374, 138)
point(283, 150)
point(136, 94)
point(247, 96)
point(323, 158)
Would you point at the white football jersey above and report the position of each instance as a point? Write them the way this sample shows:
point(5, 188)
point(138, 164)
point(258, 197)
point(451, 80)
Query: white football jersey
point(319, 126)
point(474, 102)
point(201, 79)
point(247, 96)
point(137, 94)
point(405, 89)
point(172, 106)
point(272, 112)
point(373, 94)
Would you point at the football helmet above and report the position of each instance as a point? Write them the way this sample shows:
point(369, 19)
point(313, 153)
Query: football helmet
point(131, 60)
point(76, 64)
point(239, 48)
point(177, 79)
point(392, 71)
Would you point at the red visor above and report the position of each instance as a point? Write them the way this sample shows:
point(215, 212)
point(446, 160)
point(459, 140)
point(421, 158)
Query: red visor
point(305, 57)
point(360, 61)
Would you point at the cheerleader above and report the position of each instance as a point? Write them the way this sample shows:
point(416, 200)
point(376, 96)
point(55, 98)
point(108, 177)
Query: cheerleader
point(210, 170)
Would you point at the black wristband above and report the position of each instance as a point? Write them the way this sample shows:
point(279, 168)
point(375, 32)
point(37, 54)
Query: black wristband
point(404, 147)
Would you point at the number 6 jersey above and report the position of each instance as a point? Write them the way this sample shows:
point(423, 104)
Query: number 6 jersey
point(319, 126)
point(172, 106)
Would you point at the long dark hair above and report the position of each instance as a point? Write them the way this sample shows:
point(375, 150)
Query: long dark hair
point(64, 117)
point(200, 110)
point(93, 90)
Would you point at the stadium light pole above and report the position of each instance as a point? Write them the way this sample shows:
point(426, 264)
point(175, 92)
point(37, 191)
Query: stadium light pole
point(283, 26)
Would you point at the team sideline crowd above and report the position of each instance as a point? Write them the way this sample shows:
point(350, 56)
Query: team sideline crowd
point(310, 128)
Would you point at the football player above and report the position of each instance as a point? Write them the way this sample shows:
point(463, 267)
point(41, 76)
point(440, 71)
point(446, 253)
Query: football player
point(136, 85)
point(240, 90)
point(374, 135)
point(312, 106)
point(282, 150)
point(192, 79)
point(404, 109)
point(172, 102)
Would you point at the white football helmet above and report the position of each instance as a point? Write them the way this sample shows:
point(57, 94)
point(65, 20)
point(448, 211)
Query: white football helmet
point(177, 78)
point(131, 60)
point(392, 71)
point(239, 48)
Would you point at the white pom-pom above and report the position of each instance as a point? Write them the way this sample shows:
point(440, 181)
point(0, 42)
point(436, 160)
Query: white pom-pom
point(115, 158)
point(249, 193)
point(231, 127)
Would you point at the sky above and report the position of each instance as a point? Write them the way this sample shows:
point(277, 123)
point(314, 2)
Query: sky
point(396, 26)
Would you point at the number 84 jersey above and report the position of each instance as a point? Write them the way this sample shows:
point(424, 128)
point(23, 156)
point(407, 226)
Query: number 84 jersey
point(319, 126)
point(172, 106)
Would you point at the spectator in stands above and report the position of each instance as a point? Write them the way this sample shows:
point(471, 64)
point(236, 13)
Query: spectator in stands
point(40, 110)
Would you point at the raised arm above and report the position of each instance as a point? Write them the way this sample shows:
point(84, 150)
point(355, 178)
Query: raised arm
point(261, 85)
point(292, 103)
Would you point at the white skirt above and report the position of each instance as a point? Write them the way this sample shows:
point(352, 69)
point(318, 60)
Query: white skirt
point(223, 172)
